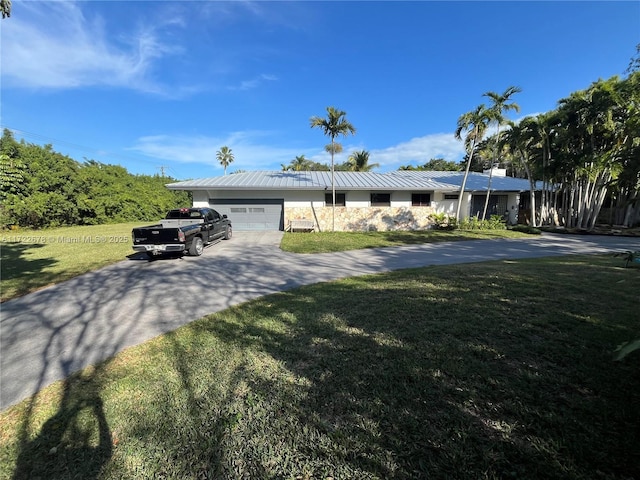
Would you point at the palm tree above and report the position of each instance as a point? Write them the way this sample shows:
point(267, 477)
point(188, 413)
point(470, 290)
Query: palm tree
point(522, 139)
point(335, 124)
point(359, 162)
point(474, 123)
point(333, 148)
point(225, 157)
point(542, 127)
point(498, 106)
point(298, 164)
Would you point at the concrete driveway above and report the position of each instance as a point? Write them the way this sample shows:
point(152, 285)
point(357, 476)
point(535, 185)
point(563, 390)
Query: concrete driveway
point(49, 334)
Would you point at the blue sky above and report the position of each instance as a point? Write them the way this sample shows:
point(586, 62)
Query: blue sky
point(163, 85)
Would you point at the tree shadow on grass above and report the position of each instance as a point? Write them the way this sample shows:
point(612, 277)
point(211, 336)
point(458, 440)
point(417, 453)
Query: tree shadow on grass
point(16, 265)
point(388, 387)
point(75, 442)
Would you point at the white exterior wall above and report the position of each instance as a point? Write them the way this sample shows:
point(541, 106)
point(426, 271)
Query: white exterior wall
point(200, 199)
point(355, 199)
point(302, 199)
point(465, 208)
point(402, 199)
point(358, 198)
point(512, 207)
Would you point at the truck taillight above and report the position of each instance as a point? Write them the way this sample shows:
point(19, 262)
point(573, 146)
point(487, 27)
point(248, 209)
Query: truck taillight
point(181, 236)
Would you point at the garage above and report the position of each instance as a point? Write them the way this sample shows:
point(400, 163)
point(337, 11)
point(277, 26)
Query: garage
point(251, 214)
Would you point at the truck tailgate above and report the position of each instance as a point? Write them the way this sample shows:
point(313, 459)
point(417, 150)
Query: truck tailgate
point(155, 236)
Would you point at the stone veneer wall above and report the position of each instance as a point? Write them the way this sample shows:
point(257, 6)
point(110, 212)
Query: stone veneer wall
point(364, 218)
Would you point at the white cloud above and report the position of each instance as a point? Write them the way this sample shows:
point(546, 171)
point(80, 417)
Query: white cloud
point(249, 149)
point(532, 115)
point(254, 83)
point(54, 45)
point(419, 151)
point(67, 44)
point(255, 150)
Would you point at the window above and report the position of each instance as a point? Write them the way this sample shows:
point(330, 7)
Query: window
point(340, 199)
point(451, 196)
point(184, 213)
point(380, 199)
point(420, 199)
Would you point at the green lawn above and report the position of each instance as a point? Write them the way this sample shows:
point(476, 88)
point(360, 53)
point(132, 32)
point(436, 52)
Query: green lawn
point(482, 371)
point(33, 259)
point(321, 242)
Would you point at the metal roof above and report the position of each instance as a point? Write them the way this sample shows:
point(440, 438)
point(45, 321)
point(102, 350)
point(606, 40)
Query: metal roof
point(395, 180)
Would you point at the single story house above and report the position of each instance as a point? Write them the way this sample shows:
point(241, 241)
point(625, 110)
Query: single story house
point(396, 200)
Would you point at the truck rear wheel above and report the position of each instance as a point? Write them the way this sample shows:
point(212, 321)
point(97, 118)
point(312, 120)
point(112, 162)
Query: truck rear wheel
point(228, 232)
point(197, 247)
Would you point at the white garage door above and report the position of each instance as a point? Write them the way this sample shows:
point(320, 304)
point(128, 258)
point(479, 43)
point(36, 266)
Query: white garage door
point(258, 214)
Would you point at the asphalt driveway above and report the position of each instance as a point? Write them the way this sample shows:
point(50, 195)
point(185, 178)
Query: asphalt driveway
point(49, 334)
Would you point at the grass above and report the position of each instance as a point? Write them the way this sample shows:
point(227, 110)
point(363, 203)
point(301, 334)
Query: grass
point(33, 259)
point(482, 371)
point(322, 242)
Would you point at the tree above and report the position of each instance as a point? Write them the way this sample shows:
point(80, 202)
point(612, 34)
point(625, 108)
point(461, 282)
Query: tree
point(593, 144)
point(496, 110)
point(42, 188)
point(584, 152)
point(12, 177)
point(634, 63)
point(225, 157)
point(359, 162)
point(335, 124)
point(318, 167)
point(435, 165)
point(5, 8)
point(333, 148)
point(298, 164)
point(474, 123)
point(442, 165)
point(627, 185)
point(520, 140)
point(12, 171)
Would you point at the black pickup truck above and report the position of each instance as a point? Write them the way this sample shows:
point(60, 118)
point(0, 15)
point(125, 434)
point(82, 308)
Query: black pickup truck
point(182, 230)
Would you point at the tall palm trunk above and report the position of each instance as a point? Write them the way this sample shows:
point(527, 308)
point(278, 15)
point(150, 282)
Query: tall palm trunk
point(333, 189)
point(486, 200)
point(464, 181)
point(335, 124)
point(495, 160)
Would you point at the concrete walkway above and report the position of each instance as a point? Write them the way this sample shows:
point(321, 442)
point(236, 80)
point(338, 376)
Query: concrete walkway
point(49, 334)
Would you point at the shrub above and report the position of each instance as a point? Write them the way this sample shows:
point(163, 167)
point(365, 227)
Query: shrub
point(442, 221)
point(496, 222)
point(629, 257)
point(526, 229)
